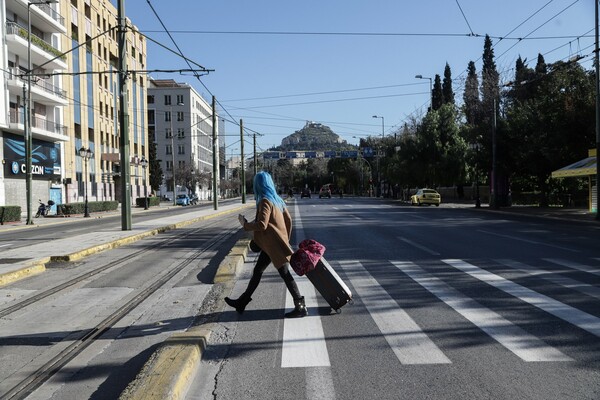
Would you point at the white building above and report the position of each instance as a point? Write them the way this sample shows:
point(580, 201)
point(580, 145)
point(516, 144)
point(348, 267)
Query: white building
point(181, 121)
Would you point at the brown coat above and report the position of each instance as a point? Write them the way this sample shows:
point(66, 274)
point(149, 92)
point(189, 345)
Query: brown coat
point(272, 230)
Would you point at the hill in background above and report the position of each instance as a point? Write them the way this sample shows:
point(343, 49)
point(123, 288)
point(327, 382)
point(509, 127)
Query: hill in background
point(313, 136)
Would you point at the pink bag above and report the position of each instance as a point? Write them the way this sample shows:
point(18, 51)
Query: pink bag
point(307, 256)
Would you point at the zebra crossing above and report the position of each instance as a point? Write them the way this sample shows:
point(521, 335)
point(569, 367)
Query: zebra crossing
point(305, 344)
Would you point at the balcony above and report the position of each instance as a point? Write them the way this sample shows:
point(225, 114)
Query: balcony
point(42, 128)
point(42, 52)
point(43, 91)
point(44, 16)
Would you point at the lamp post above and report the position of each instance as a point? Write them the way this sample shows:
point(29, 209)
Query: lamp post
point(430, 88)
point(86, 154)
point(173, 154)
point(144, 164)
point(378, 155)
point(27, 119)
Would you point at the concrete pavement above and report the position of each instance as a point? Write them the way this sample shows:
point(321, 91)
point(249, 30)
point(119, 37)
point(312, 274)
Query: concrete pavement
point(21, 262)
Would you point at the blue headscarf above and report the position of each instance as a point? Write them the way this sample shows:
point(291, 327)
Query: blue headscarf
point(264, 188)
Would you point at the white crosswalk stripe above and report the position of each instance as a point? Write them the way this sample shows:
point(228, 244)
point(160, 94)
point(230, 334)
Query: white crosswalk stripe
point(570, 264)
point(565, 312)
point(515, 339)
point(563, 281)
point(410, 344)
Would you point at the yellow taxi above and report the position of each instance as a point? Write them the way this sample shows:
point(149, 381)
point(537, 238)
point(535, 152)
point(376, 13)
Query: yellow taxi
point(426, 196)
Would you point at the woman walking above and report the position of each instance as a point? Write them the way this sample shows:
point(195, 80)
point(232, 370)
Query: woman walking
point(272, 230)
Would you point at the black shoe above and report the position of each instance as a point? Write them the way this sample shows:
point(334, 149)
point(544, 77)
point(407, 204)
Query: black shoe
point(239, 304)
point(299, 310)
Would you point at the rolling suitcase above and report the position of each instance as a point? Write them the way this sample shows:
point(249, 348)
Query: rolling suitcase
point(329, 284)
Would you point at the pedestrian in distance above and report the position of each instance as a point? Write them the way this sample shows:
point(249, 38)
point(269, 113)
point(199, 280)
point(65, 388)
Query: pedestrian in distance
point(272, 229)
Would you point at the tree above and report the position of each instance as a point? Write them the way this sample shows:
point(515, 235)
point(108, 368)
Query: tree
point(155, 170)
point(447, 92)
point(437, 97)
point(472, 105)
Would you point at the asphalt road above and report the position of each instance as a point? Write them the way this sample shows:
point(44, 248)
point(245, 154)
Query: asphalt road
point(449, 303)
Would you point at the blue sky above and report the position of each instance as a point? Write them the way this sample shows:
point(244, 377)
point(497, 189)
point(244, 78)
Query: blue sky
point(278, 64)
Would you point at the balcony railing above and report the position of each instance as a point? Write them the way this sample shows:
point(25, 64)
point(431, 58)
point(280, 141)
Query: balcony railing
point(43, 83)
point(52, 13)
point(12, 28)
point(16, 117)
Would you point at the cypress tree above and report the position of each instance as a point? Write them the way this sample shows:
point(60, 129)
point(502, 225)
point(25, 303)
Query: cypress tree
point(447, 92)
point(490, 80)
point(437, 97)
point(471, 95)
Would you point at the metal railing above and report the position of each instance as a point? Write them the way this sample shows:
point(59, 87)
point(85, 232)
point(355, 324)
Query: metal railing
point(16, 116)
point(43, 83)
point(12, 28)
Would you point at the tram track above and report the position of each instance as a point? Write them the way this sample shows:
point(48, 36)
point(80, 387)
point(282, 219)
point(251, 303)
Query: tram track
point(85, 338)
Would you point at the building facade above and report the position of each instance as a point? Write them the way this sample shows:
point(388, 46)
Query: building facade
point(75, 97)
point(181, 123)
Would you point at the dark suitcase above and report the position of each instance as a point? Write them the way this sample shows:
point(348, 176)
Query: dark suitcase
point(330, 285)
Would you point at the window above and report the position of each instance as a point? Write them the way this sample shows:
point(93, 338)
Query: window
point(179, 115)
point(167, 116)
point(179, 99)
point(167, 99)
point(181, 149)
point(169, 149)
point(180, 133)
point(169, 166)
point(168, 133)
point(150, 99)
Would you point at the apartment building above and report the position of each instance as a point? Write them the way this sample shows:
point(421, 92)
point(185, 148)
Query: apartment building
point(180, 120)
point(75, 96)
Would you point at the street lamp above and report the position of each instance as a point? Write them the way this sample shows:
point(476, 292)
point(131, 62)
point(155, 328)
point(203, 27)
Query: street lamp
point(430, 87)
point(382, 125)
point(173, 153)
point(27, 119)
point(86, 154)
point(144, 164)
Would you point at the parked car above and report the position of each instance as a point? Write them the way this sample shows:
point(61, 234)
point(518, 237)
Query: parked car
point(325, 192)
point(183, 200)
point(305, 193)
point(193, 199)
point(426, 196)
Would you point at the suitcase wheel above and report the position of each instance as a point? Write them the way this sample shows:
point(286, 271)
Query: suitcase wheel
point(337, 310)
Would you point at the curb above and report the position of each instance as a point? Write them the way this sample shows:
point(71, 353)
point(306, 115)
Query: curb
point(170, 370)
point(38, 266)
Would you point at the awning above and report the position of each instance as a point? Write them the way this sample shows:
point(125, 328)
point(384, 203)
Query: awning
point(585, 167)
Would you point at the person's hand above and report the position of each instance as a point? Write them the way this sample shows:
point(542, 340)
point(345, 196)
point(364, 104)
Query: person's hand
point(242, 219)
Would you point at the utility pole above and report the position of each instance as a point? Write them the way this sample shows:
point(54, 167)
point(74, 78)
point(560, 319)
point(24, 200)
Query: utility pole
point(597, 62)
point(215, 149)
point(494, 160)
point(255, 167)
point(243, 174)
point(124, 122)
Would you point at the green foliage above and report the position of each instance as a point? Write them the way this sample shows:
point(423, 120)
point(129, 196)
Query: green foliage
point(93, 206)
point(152, 201)
point(10, 214)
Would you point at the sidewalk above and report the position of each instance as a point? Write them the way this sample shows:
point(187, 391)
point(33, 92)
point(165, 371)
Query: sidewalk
point(21, 262)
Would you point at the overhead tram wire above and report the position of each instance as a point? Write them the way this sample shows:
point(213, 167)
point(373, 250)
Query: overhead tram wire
point(465, 17)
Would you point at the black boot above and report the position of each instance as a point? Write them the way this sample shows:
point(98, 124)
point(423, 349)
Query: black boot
point(239, 304)
point(299, 310)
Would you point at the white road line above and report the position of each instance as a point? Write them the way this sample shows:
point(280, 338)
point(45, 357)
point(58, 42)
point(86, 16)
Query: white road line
point(528, 241)
point(563, 281)
point(5, 244)
point(319, 384)
point(522, 344)
point(565, 312)
point(303, 338)
point(418, 246)
point(410, 344)
point(570, 264)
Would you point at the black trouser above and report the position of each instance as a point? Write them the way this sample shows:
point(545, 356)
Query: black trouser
point(262, 263)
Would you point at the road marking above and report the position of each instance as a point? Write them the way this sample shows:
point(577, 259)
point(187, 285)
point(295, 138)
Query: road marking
point(303, 338)
point(6, 244)
point(553, 277)
point(565, 312)
point(528, 241)
point(410, 344)
point(319, 384)
point(418, 246)
point(570, 264)
point(522, 344)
